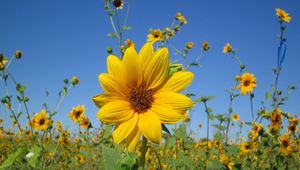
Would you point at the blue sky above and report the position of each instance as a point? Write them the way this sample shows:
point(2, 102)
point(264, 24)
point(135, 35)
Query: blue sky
point(60, 39)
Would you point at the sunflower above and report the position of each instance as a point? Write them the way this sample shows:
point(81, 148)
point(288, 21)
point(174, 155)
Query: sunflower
point(282, 15)
point(80, 158)
point(245, 147)
point(3, 62)
point(227, 48)
point(235, 117)
point(293, 123)
point(40, 120)
point(256, 130)
point(140, 95)
point(77, 113)
point(247, 83)
point(286, 144)
point(85, 122)
point(276, 120)
point(58, 126)
point(189, 45)
point(205, 46)
point(155, 35)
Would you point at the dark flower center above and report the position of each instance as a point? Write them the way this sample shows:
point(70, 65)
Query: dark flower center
point(246, 83)
point(140, 99)
point(247, 147)
point(42, 122)
point(285, 143)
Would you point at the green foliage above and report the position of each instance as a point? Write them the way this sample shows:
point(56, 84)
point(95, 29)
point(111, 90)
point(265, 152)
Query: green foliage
point(19, 153)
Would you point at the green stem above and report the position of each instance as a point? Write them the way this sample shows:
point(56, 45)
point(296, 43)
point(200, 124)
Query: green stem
point(144, 150)
point(157, 158)
point(251, 103)
point(207, 129)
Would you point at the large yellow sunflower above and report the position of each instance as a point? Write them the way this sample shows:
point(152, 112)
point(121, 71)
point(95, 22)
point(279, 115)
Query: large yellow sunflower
point(247, 83)
point(140, 95)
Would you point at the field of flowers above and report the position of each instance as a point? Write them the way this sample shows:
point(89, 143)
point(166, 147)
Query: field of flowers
point(142, 95)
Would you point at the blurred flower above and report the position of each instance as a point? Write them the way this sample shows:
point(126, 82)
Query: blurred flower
point(139, 95)
point(75, 80)
point(247, 83)
point(276, 120)
point(205, 46)
point(170, 32)
point(189, 45)
point(245, 147)
point(80, 158)
point(129, 43)
point(293, 123)
point(77, 113)
point(227, 48)
point(180, 18)
point(119, 4)
point(256, 130)
point(235, 117)
point(3, 62)
point(286, 144)
point(282, 15)
point(40, 121)
point(18, 54)
point(85, 122)
point(155, 35)
point(59, 126)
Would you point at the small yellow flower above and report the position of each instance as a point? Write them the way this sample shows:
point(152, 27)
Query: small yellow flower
point(286, 144)
point(180, 18)
point(85, 122)
point(245, 147)
point(256, 130)
point(129, 43)
point(293, 123)
point(75, 80)
point(189, 45)
point(205, 46)
point(282, 15)
point(170, 32)
point(227, 48)
point(155, 35)
point(235, 117)
point(80, 158)
point(18, 54)
point(59, 126)
point(77, 113)
point(3, 62)
point(40, 120)
point(230, 165)
point(276, 120)
point(247, 83)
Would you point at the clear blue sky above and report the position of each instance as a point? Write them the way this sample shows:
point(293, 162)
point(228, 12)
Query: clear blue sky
point(60, 39)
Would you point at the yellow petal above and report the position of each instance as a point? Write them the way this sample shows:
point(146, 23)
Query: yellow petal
point(178, 81)
point(156, 71)
point(115, 112)
point(146, 53)
point(133, 138)
point(175, 101)
point(150, 126)
point(110, 85)
point(124, 129)
point(167, 115)
point(114, 68)
point(102, 99)
point(131, 63)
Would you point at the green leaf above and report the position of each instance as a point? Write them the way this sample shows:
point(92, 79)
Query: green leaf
point(214, 164)
point(164, 128)
point(181, 131)
point(111, 158)
point(33, 160)
point(219, 127)
point(107, 131)
point(211, 117)
point(12, 157)
point(268, 95)
point(170, 142)
point(129, 162)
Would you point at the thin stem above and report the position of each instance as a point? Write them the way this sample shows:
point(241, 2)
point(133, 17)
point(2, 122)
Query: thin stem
point(127, 13)
point(159, 162)
point(144, 149)
point(228, 122)
point(207, 129)
point(114, 27)
point(251, 103)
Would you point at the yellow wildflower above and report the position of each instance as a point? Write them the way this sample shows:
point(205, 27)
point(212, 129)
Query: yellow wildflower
point(282, 15)
point(286, 144)
point(139, 95)
point(40, 120)
point(205, 46)
point(247, 83)
point(189, 45)
point(276, 120)
point(80, 158)
point(75, 80)
point(235, 117)
point(155, 35)
point(129, 43)
point(3, 62)
point(227, 48)
point(77, 113)
point(85, 122)
point(245, 147)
